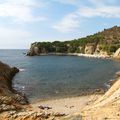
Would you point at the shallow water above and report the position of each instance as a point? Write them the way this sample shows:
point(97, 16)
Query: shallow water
point(48, 77)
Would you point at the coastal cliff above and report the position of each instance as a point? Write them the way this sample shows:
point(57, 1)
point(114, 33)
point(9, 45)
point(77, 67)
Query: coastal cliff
point(104, 43)
point(106, 107)
point(14, 105)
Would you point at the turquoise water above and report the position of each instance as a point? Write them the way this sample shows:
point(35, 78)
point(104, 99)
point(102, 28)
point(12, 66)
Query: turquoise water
point(48, 77)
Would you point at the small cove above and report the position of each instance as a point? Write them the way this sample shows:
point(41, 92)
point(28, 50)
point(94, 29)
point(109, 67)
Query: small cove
point(49, 77)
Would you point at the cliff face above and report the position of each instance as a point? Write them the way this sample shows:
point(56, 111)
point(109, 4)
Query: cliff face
point(6, 75)
point(89, 49)
point(117, 54)
point(105, 42)
point(13, 105)
point(107, 107)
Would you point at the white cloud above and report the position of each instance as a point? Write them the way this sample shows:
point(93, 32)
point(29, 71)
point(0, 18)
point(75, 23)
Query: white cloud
point(103, 11)
point(19, 10)
point(13, 38)
point(103, 2)
point(99, 9)
point(68, 23)
point(66, 1)
point(13, 34)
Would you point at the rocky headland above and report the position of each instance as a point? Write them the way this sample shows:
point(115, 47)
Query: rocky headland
point(103, 44)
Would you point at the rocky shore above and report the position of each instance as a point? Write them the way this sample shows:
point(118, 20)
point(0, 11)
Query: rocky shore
point(105, 107)
point(14, 105)
point(103, 56)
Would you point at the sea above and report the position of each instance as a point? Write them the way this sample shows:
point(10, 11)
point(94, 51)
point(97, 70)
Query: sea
point(52, 77)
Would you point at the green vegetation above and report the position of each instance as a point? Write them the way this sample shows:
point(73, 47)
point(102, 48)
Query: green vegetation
point(107, 40)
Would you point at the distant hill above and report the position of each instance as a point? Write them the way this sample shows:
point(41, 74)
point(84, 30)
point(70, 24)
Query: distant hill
point(105, 42)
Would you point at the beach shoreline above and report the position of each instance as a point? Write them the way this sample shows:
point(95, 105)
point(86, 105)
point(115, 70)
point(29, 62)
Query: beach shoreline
point(102, 56)
point(65, 106)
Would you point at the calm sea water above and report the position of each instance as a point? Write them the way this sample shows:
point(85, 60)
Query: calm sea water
point(48, 77)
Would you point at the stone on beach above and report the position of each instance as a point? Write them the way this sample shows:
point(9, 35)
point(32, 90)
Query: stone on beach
point(44, 107)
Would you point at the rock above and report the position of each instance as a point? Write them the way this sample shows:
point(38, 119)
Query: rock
point(117, 54)
point(44, 107)
point(111, 82)
point(117, 75)
point(89, 49)
point(59, 114)
point(34, 50)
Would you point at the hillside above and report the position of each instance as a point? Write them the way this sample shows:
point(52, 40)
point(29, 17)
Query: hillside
point(105, 42)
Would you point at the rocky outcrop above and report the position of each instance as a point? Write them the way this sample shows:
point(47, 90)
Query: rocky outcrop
point(10, 100)
point(14, 105)
point(90, 49)
point(117, 54)
point(6, 75)
point(34, 50)
point(107, 107)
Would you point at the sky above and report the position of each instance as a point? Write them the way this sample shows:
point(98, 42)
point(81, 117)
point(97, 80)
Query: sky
point(23, 22)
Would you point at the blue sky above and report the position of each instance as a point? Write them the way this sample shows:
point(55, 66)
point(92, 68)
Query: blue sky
point(25, 21)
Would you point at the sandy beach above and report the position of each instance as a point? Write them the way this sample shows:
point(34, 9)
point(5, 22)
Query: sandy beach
point(66, 106)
